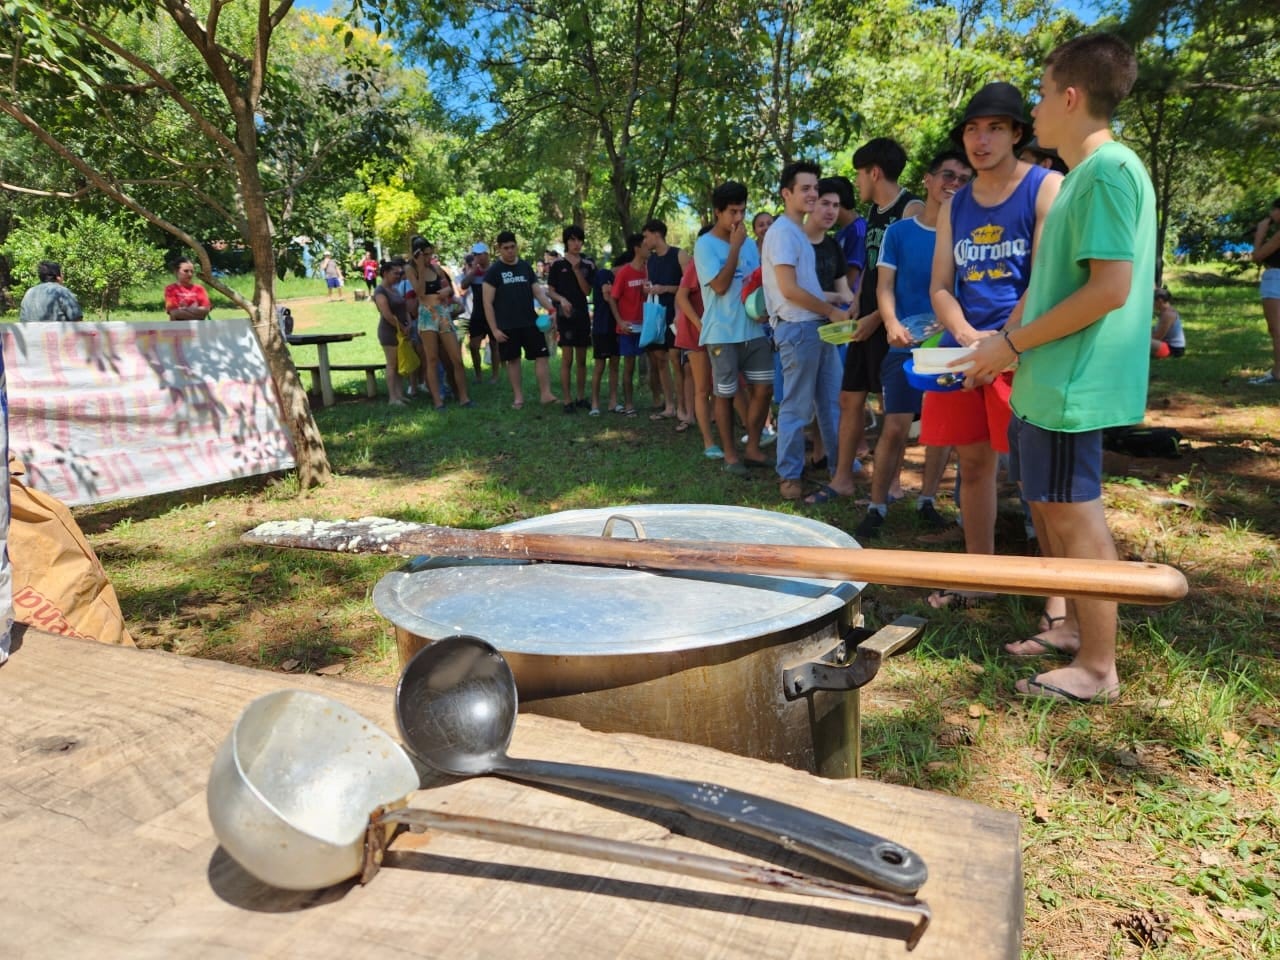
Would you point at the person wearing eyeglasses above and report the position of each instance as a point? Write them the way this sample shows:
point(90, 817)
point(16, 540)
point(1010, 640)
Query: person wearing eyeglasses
point(903, 274)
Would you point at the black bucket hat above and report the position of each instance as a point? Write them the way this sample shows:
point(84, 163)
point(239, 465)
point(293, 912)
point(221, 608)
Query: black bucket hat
point(995, 100)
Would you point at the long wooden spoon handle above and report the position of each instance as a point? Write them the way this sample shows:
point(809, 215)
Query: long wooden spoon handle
point(1122, 581)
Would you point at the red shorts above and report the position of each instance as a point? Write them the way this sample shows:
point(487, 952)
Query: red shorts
point(962, 417)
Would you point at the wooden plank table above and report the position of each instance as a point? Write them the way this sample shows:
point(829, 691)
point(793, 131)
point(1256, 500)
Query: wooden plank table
point(321, 342)
point(107, 850)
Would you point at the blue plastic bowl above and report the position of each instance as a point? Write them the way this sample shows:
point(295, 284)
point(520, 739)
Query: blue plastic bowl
point(934, 382)
point(544, 322)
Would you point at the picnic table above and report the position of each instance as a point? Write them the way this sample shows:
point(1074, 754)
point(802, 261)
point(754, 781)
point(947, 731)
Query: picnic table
point(108, 850)
point(321, 342)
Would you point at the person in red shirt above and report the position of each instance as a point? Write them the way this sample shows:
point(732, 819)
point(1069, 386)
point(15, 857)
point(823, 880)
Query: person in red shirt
point(629, 283)
point(186, 299)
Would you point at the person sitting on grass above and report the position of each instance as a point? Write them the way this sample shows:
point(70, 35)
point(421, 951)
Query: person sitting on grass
point(1082, 345)
point(1167, 338)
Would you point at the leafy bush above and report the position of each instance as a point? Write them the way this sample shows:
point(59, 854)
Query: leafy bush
point(99, 257)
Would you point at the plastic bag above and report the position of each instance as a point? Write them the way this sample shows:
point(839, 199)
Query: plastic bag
point(653, 329)
point(407, 361)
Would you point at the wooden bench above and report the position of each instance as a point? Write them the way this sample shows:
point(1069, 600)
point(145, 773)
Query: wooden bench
point(371, 371)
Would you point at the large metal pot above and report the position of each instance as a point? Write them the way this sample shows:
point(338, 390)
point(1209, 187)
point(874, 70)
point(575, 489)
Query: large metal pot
point(735, 662)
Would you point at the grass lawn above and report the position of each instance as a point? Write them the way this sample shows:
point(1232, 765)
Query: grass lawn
point(1158, 814)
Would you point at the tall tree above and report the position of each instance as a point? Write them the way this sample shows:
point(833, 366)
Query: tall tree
point(163, 109)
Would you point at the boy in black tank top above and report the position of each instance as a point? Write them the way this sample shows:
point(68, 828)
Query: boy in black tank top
point(666, 266)
point(879, 163)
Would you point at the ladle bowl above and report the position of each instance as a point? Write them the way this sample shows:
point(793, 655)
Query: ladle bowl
point(292, 787)
point(456, 706)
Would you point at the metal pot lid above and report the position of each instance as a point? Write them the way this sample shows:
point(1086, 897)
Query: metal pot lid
point(552, 609)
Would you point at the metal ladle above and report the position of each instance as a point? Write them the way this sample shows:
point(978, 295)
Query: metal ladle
point(304, 793)
point(456, 709)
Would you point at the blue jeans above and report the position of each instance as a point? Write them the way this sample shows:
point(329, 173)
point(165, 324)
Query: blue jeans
point(811, 373)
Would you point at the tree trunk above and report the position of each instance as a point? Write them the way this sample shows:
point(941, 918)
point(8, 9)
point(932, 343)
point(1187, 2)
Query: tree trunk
point(295, 408)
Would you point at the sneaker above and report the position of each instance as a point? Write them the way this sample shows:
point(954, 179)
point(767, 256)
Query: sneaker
point(583, 404)
point(713, 452)
point(928, 517)
point(595, 412)
point(569, 408)
point(737, 468)
point(1267, 378)
point(870, 526)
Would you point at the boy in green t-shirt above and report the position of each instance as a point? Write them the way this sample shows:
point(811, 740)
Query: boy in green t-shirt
point(1082, 346)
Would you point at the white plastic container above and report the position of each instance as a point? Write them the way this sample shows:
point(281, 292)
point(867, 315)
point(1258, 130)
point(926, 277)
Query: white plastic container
point(938, 359)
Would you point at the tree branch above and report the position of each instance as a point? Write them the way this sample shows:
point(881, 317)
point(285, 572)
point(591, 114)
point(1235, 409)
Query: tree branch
point(56, 194)
point(97, 179)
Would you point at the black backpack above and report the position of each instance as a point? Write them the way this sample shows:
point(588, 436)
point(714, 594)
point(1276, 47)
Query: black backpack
point(1143, 441)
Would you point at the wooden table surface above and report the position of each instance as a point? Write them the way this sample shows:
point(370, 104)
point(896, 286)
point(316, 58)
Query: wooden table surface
point(107, 851)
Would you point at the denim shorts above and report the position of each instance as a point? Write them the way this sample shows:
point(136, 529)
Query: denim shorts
point(1055, 467)
point(1270, 287)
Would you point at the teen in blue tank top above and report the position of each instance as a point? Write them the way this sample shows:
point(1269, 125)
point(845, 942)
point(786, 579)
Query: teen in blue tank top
point(992, 252)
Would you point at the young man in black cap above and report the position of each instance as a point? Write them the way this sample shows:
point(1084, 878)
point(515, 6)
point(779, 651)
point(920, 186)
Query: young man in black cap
point(987, 233)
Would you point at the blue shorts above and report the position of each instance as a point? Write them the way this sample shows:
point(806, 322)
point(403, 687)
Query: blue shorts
point(333, 283)
point(1055, 467)
point(629, 345)
point(899, 396)
point(1270, 287)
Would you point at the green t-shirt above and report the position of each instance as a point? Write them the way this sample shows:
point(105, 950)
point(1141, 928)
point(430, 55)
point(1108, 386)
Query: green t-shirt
point(1096, 377)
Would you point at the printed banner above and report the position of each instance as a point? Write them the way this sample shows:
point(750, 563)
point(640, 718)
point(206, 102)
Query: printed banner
point(108, 411)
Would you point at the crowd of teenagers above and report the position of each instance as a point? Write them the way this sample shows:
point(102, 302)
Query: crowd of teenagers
point(1049, 278)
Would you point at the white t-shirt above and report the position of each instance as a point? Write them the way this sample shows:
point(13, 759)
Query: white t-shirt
point(787, 245)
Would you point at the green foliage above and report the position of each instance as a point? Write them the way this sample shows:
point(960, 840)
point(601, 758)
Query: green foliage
point(99, 257)
point(457, 222)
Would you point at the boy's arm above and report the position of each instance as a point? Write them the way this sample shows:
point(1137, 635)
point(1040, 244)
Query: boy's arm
point(943, 280)
point(1108, 287)
point(487, 291)
point(792, 292)
point(885, 299)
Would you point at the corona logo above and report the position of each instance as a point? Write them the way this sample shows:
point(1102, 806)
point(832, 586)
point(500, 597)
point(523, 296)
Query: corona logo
point(988, 234)
point(974, 275)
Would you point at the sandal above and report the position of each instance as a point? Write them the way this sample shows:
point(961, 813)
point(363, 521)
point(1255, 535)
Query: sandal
point(1036, 689)
point(683, 425)
point(825, 494)
point(1047, 622)
point(1047, 649)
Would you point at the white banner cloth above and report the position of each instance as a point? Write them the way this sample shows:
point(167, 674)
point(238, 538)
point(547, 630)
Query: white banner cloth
point(108, 411)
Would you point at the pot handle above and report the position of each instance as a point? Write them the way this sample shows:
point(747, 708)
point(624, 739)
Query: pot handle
point(833, 671)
